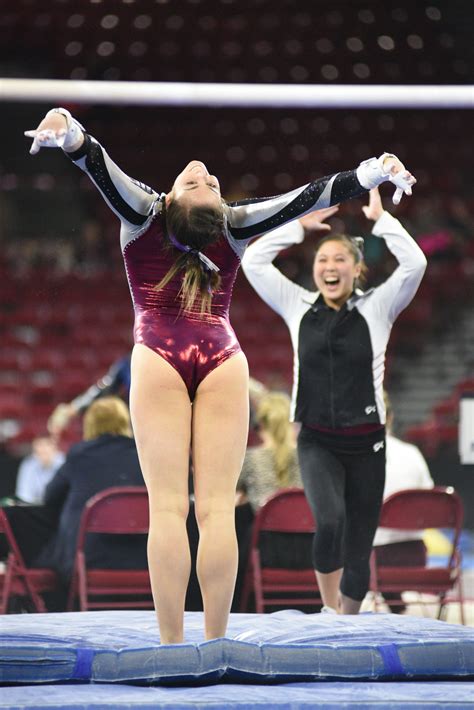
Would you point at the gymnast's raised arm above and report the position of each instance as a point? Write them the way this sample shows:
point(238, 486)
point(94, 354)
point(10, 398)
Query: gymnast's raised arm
point(131, 200)
point(254, 217)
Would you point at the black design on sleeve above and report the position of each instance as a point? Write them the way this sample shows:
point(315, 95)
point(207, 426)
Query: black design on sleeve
point(97, 169)
point(344, 187)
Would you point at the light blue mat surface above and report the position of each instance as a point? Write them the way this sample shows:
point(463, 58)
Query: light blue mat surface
point(123, 646)
point(434, 695)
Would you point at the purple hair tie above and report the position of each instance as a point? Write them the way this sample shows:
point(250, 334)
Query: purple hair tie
point(206, 262)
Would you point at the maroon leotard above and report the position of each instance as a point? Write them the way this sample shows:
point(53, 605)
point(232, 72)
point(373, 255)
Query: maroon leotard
point(194, 344)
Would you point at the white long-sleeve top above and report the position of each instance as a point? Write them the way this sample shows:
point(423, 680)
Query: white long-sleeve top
point(339, 356)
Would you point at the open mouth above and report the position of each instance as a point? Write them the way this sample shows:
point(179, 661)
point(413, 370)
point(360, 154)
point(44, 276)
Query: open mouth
point(331, 281)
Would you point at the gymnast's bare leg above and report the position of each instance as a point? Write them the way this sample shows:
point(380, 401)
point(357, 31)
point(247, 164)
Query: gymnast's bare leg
point(161, 418)
point(220, 429)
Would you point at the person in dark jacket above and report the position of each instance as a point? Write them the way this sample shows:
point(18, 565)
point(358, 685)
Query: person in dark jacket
point(107, 457)
point(340, 335)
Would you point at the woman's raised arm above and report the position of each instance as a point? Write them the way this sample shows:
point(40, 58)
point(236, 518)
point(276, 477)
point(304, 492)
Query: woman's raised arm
point(131, 200)
point(251, 218)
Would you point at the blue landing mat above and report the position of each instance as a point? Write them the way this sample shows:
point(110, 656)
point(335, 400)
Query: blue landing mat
point(435, 695)
point(123, 646)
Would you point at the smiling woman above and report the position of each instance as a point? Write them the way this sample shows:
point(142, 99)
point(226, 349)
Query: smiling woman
point(189, 388)
point(340, 335)
point(337, 269)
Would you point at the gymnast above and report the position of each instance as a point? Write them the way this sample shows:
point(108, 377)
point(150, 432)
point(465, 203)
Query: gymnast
point(189, 386)
point(340, 334)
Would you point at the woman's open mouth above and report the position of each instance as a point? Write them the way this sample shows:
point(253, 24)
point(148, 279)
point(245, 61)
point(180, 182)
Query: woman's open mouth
point(331, 282)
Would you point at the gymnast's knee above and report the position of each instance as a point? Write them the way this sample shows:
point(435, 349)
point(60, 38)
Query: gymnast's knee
point(209, 511)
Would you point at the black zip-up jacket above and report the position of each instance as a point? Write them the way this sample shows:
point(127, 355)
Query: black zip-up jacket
point(339, 356)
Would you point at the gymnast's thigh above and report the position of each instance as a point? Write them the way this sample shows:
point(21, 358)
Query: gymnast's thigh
point(161, 418)
point(220, 430)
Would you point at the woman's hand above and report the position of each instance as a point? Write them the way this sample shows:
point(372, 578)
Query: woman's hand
point(314, 221)
point(374, 209)
point(399, 176)
point(57, 130)
point(50, 133)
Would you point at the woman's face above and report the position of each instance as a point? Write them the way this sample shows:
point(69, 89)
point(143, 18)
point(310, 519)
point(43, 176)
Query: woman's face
point(196, 186)
point(334, 272)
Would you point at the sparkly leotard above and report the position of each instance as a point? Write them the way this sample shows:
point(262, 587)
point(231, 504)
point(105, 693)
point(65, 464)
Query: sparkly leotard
point(194, 344)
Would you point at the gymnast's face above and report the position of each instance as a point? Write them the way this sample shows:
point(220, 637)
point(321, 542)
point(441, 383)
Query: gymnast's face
point(334, 272)
point(196, 187)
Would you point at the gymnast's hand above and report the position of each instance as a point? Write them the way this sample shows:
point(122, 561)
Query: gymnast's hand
point(51, 133)
point(399, 176)
point(374, 209)
point(314, 221)
point(58, 129)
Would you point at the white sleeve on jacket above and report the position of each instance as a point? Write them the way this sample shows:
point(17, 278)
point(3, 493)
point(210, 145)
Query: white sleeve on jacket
point(272, 286)
point(398, 290)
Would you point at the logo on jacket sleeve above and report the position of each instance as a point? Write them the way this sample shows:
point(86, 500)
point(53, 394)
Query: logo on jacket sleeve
point(370, 409)
point(378, 445)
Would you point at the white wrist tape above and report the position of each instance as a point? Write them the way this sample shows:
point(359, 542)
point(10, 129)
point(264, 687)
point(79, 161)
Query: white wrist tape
point(371, 173)
point(74, 129)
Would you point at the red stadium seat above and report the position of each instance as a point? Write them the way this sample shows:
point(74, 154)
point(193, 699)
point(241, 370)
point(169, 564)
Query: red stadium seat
point(118, 510)
point(18, 580)
point(285, 512)
point(419, 509)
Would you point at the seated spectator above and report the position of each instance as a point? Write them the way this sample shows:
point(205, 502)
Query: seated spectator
point(273, 464)
point(257, 390)
point(9, 464)
point(107, 457)
point(116, 381)
point(37, 470)
point(406, 468)
point(267, 468)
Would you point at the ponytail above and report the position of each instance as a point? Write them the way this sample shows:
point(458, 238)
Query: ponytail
point(191, 231)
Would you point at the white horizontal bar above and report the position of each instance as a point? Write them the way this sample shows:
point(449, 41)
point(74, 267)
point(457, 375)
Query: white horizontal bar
point(262, 95)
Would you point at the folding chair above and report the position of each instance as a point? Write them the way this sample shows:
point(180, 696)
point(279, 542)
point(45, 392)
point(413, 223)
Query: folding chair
point(285, 512)
point(18, 580)
point(118, 510)
point(419, 509)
